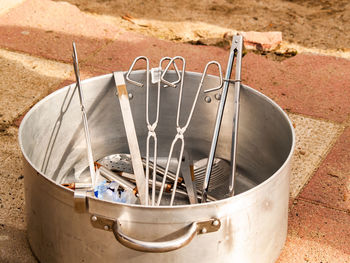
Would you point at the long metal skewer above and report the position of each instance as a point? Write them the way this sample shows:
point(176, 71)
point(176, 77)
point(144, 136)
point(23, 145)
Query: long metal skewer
point(171, 176)
point(181, 130)
point(111, 176)
point(118, 177)
point(161, 170)
point(125, 164)
point(236, 48)
point(84, 117)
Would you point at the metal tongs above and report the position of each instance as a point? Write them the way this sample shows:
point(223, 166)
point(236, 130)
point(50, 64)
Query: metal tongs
point(84, 117)
point(151, 126)
point(236, 50)
point(181, 130)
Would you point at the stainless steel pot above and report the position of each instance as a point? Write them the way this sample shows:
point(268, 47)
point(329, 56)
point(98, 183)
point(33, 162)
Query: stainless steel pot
point(249, 227)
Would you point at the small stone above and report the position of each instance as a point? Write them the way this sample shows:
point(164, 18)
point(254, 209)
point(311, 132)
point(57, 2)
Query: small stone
point(263, 41)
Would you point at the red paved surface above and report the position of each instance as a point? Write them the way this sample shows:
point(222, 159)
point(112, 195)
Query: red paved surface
point(45, 28)
point(331, 183)
point(120, 54)
point(307, 84)
point(317, 234)
point(312, 85)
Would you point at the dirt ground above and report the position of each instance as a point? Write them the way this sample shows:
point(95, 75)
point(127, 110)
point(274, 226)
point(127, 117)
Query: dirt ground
point(321, 24)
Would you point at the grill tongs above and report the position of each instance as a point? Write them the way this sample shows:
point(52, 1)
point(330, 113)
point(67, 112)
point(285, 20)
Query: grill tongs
point(236, 50)
point(84, 117)
point(182, 129)
point(81, 192)
point(151, 126)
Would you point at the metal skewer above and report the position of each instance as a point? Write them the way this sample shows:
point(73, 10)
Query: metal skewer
point(84, 117)
point(73, 186)
point(121, 164)
point(180, 180)
point(111, 176)
point(161, 171)
point(181, 130)
point(236, 49)
point(117, 177)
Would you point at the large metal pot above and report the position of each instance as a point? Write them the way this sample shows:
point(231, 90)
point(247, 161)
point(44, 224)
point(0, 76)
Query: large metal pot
point(249, 227)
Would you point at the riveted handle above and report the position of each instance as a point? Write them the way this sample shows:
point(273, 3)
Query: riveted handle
point(195, 228)
point(154, 247)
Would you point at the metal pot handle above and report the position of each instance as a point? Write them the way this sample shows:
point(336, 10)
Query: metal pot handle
point(154, 247)
point(195, 228)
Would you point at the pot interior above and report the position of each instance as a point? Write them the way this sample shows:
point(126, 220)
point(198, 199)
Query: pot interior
point(52, 135)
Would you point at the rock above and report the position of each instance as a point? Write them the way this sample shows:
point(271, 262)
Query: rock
point(218, 42)
point(263, 41)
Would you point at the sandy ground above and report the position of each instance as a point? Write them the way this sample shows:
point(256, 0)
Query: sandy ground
point(320, 24)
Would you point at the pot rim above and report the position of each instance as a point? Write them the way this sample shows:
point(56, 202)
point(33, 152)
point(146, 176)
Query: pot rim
point(218, 202)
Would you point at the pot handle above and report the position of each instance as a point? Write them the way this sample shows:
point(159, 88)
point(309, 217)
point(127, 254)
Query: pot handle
point(154, 247)
point(195, 228)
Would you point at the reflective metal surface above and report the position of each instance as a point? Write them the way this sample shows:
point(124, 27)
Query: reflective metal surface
point(253, 223)
point(84, 117)
point(133, 144)
point(236, 51)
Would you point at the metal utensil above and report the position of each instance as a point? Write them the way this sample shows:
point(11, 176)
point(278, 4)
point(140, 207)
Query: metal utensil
point(160, 170)
point(121, 164)
point(73, 186)
point(131, 137)
point(84, 117)
point(117, 177)
point(181, 130)
point(187, 170)
point(111, 176)
point(178, 136)
point(236, 49)
point(239, 48)
point(150, 126)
